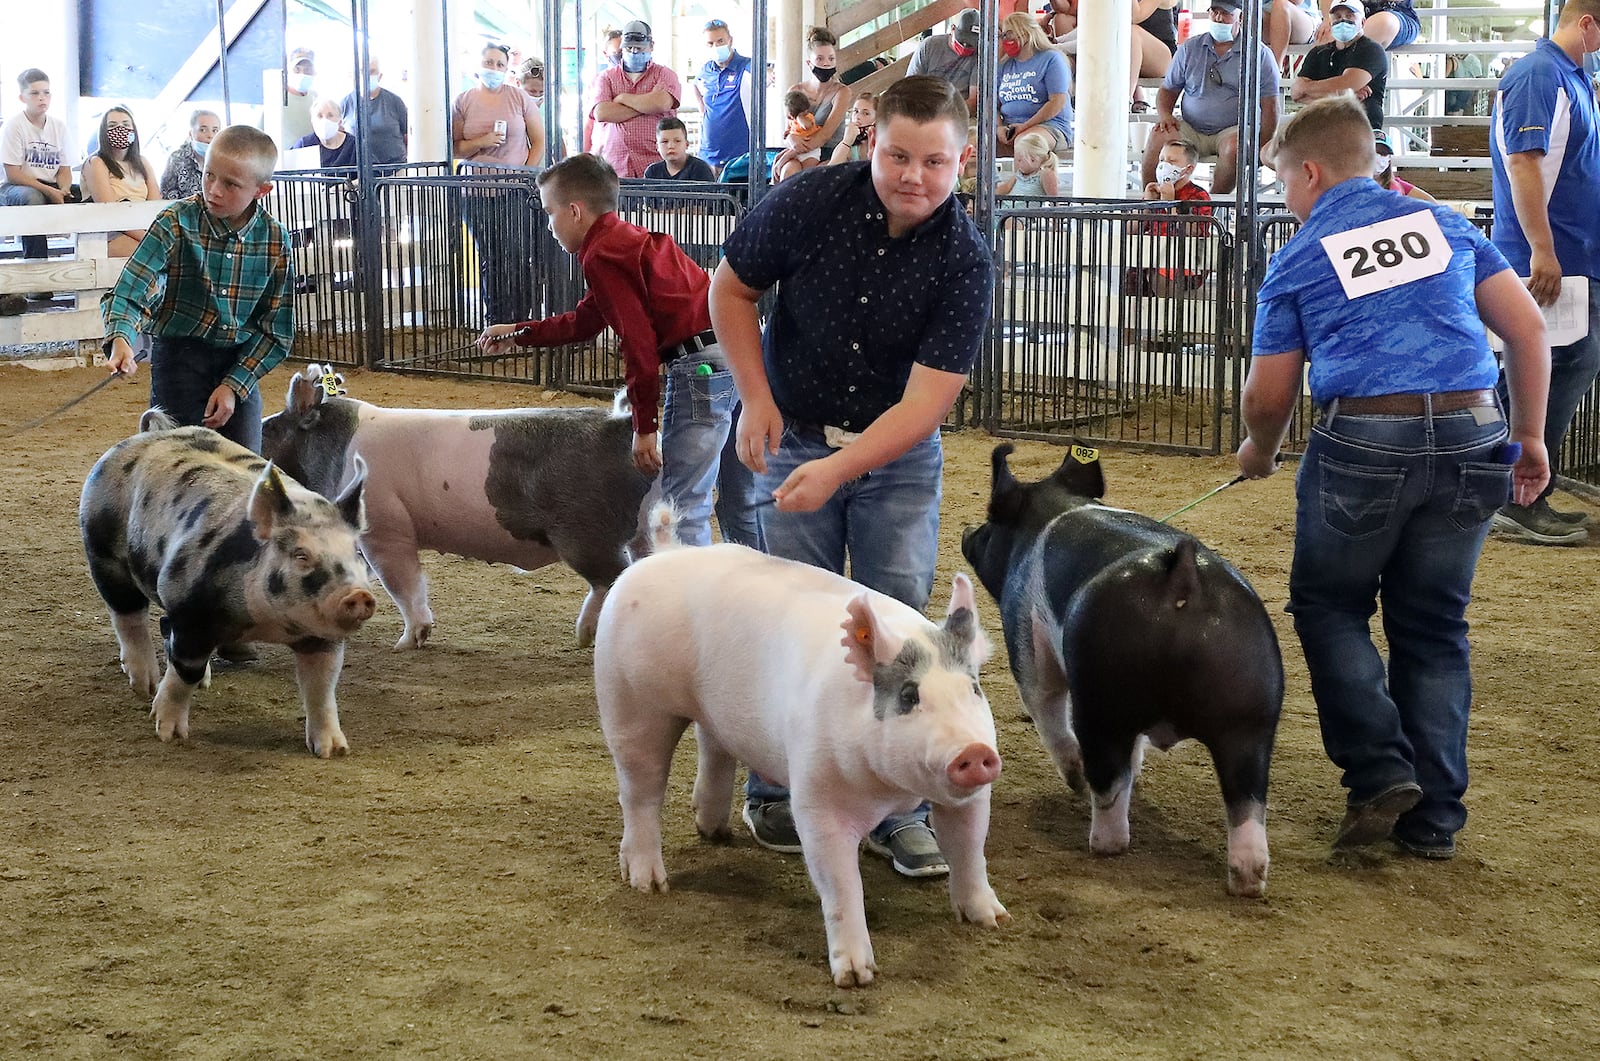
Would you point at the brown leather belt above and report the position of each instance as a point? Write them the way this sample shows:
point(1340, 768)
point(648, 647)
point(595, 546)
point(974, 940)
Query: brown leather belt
point(1412, 404)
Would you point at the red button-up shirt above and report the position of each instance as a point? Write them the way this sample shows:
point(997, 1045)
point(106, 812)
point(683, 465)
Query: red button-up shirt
point(650, 293)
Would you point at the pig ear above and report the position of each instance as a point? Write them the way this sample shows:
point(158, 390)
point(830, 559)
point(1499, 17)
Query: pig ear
point(961, 621)
point(866, 642)
point(1080, 472)
point(269, 502)
point(1006, 496)
point(351, 503)
point(303, 395)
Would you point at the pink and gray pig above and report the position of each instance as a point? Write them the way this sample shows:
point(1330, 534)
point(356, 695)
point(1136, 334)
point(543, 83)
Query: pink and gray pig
point(747, 649)
point(524, 487)
point(232, 551)
point(1123, 629)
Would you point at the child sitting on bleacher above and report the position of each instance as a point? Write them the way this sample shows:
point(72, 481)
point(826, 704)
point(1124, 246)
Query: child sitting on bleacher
point(1174, 183)
point(1035, 172)
point(802, 123)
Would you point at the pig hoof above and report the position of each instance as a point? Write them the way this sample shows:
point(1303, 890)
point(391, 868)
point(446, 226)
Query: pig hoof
point(644, 874)
point(985, 910)
point(586, 635)
point(415, 637)
point(852, 972)
point(205, 679)
point(1108, 845)
point(328, 745)
point(168, 728)
point(1247, 883)
point(721, 834)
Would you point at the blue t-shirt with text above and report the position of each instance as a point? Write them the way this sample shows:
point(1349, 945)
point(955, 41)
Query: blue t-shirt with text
point(1026, 85)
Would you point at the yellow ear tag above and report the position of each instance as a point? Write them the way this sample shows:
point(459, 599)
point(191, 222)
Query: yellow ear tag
point(330, 384)
point(1085, 455)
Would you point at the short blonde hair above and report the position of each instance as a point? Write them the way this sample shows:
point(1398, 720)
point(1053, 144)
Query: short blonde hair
point(1034, 144)
point(1333, 131)
point(251, 146)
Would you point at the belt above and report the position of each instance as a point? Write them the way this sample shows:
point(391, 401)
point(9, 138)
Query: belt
point(692, 345)
point(1412, 404)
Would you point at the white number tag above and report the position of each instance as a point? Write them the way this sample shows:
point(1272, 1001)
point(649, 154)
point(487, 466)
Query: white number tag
point(1389, 253)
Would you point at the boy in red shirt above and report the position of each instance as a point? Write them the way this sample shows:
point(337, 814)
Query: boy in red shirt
point(653, 296)
point(1173, 183)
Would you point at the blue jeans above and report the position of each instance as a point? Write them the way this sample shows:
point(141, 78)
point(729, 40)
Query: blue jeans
point(886, 523)
point(184, 372)
point(1395, 508)
point(23, 195)
point(697, 453)
point(1572, 373)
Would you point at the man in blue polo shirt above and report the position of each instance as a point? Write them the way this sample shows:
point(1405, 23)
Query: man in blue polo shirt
point(1546, 156)
point(723, 90)
point(1206, 74)
point(1387, 297)
point(884, 297)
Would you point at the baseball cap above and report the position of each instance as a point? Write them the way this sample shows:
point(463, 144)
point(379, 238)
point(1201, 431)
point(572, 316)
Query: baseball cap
point(1226, 5)
point(1353, 5)
point(301, 55)
point(637, 32)
point(966, 28)
point(1379, 140)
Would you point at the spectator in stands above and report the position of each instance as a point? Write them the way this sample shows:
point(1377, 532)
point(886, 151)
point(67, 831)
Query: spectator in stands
point(632, 100)
point(37, 153)
point(530, 75)
point(182, 176)
point(1465, 64)
point(1389, 23)
point(1058, 18)
point(294, 119)
point(496, 124)
point(1034, 86)
point(1348, 63)
point(856, 143)
point(611, 56)
point(672, 141)
point(723, 93)
point(1545, 150)
point(1174, 183)
point(388, 134)
point(336, 148)
point(803, 130)
point(1386, 176)
point(1285, 22)
point(118, 173)
point(829, 98)
point(952, 56)
point(1205, 75)
point(1154, 40)
point(1034, 171)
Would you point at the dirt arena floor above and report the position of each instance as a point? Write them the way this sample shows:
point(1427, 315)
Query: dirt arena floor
point(450, 889)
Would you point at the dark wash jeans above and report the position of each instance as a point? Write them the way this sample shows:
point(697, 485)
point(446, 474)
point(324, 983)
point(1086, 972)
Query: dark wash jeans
point(184, 372)
point(1395, 509)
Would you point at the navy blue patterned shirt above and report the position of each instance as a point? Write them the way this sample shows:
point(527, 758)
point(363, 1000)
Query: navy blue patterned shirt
point(855, 308)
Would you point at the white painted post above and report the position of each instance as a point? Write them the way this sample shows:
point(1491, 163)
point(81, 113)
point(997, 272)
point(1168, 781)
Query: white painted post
point(1100, 163)
point(430, 122)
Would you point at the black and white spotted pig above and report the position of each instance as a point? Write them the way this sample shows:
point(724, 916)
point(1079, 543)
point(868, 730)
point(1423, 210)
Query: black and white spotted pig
point(232, 550)
point(524, 487)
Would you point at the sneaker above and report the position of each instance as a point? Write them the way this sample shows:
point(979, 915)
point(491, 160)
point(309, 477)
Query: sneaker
point(772, 824)
point(913, 850)
point(1536, 524)
point(12, 305)
point(1439, 847)
point(1571, 519)
point(1373, 820)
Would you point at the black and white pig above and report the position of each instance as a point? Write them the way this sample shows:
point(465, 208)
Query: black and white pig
point(232, 550)
point(1121, 628)
point(524, 487)
point(747, 648)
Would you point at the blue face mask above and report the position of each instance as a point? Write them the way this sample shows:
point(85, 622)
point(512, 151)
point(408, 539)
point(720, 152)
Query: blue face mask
point(635, 62)
point(301, 83)
point(723, 53)
point(1222, 32)
point(372, 83)
point(492, 78)
point(200, 148)
point(1345, 32)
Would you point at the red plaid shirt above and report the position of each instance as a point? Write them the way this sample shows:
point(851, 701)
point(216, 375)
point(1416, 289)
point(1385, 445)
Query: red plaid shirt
point(630, 146)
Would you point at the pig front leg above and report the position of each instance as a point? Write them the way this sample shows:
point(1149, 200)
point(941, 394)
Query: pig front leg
point(170, 708)
point(713, 787)
point(400, 568)
point(962, 831)
point(831, 850)
point(136, 651)
point(188, 664)
point(316, 670)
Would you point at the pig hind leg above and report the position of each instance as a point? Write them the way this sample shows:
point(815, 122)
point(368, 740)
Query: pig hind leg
point(713, 787)
point(641, 741)
point(1042, 682)
point(1110, 763)
point(130, 619)
point(1242, 764)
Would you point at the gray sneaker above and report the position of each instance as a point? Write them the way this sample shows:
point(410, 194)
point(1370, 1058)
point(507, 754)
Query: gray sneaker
point(1571, 519)
point(1536, 524)
point(772, 825)
point(913, 850)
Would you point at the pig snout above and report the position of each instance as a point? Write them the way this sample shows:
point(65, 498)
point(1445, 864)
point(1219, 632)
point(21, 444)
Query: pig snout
point(355, 608)
point(975, 766)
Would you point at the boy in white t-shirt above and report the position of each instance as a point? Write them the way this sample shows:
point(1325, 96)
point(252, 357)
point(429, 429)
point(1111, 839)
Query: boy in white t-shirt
point(37, 153)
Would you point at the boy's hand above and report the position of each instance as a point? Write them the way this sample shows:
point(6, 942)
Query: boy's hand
point(807, 488)
point(121, 361)
point(496, 338)
point(760, 432)
point(1152, 190)
point(1531, 473)
point(1255, 462)
point(647, 452)
point(1167, 192)
point(219, 408)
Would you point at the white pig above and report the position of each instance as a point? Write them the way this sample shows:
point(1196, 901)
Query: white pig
point(747, 647)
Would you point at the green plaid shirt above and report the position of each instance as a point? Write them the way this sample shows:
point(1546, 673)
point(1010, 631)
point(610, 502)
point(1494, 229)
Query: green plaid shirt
point(194, 276)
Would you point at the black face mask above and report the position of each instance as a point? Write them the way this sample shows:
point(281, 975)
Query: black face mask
point(861, 137)
point(824, 74)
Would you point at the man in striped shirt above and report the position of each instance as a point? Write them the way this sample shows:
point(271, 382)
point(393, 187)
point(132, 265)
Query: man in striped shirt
point(211, 282)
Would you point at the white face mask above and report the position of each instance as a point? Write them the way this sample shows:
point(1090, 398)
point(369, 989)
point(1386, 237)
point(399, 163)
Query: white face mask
point(1167, 173)
point(1383, 163)
point(325, 128)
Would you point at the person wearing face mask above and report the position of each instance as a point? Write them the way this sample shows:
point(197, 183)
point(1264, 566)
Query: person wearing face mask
point(723, 93)
point(829, 97)
point(118, 173)
point(1035, 83)
point(336, 148)
point(631, 100)
point(388, 128)
point(1384, 173)
point(1388, 23)
point(1205, 75)
point(1348, 63)
point(1545, 150)
point(299, 82)
point(1173, 184)
point(952, 56)
point(181, 178)
point(610, 58)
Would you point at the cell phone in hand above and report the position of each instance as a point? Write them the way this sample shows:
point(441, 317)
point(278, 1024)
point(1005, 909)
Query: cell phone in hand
point(500, 127)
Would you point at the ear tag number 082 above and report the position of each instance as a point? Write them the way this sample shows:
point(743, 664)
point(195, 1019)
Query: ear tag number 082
point(1388, 254)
